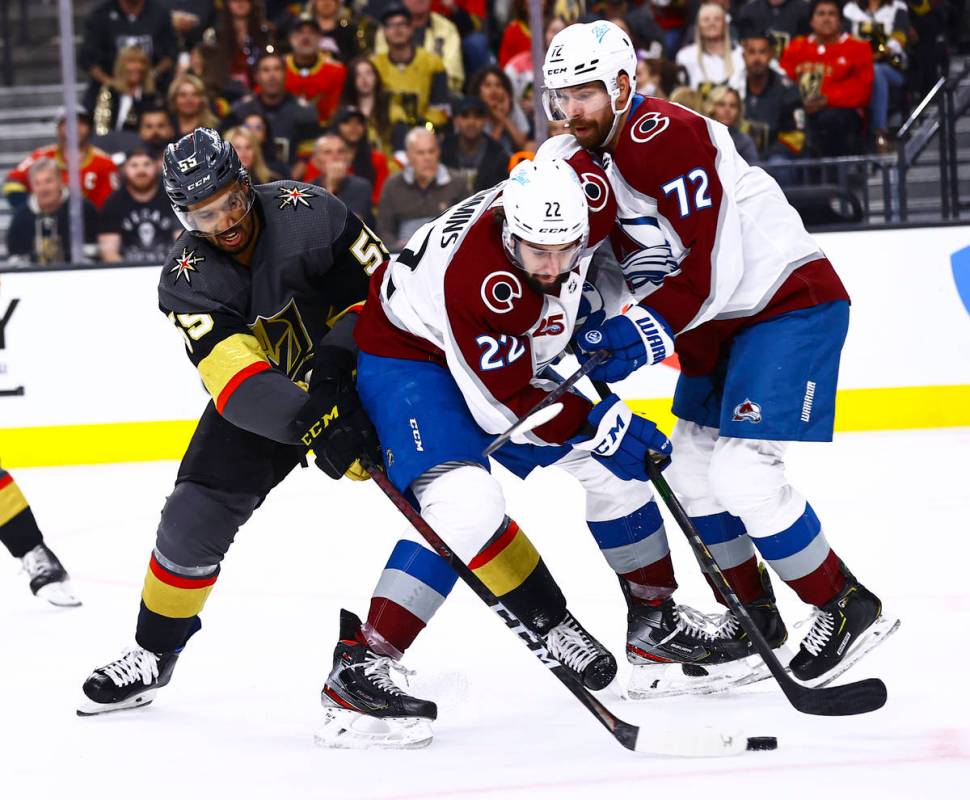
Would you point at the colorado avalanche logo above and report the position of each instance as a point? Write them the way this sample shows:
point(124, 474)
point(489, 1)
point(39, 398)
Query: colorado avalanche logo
point(747, 411)
point(597, 190)
point(293, 196)
point(185, 265)
point(500, 290)
point(649, 126)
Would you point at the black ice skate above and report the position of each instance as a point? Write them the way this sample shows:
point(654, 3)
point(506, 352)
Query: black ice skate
point(678, 650)
point(842, 632)
point(580, 653)
point(363, 706)
point(48, 578)
point(130, 681)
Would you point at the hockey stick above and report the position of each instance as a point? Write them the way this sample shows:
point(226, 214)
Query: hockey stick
point(860, 697)
point(698, 742)
point(537, 415)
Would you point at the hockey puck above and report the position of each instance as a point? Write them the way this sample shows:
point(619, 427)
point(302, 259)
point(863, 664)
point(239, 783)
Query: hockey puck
point(762, 743)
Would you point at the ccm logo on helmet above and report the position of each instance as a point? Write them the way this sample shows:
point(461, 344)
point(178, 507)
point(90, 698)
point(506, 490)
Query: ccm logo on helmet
point(597, 190)
point(649, 126)
point(500, 290)
point(198, 183)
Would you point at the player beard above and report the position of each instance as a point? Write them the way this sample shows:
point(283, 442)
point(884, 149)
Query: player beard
point(590, 133)
point(548, 287)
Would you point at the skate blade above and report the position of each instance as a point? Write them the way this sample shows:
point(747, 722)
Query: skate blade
point(759, 671)
point(89, 708)
point(344, 729)
point(652, 681)
point(872, 637)
point(59, 593)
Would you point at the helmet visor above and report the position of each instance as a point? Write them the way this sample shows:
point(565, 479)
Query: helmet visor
point(546, 260)
point(218, 216)
point(575, 101)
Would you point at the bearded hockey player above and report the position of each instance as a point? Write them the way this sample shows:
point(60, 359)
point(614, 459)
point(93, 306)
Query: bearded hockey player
point(454, 341)
point(21, 536)
point(263, 286)
point(757, 316)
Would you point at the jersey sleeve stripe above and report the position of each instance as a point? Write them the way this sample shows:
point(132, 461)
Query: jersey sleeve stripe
point(12, 500)
point(355, 308)
point(237, 380)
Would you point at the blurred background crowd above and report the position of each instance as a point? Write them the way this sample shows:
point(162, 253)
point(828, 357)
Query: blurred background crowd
point(403, 107)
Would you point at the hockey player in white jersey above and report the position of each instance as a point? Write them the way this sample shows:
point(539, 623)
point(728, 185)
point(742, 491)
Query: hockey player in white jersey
point(756, 314)
point(454, 339)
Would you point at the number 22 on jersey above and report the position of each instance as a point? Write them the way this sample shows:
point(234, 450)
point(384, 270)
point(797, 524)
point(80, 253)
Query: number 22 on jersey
point(499, 352)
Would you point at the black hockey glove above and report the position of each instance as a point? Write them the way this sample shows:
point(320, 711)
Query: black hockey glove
point(333, 423)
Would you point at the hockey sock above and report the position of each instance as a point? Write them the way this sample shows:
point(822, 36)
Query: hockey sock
point(802, 558)
point(727, 539)
point(512, 569)
point(412, 587)
point(170, 604)
point(635, 547)
point(18, 528)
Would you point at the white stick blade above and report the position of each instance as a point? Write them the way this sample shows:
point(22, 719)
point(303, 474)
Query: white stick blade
point(691, 742)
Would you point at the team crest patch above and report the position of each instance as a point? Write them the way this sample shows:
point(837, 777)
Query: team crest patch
point(500, 290)
point(185, 265)
point(748, 411)
point(294, 196)
point(648, 126)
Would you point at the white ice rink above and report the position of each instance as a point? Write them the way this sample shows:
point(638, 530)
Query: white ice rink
point(237, 721)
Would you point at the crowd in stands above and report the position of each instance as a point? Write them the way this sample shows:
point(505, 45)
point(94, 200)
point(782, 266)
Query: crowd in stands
point(403, 107)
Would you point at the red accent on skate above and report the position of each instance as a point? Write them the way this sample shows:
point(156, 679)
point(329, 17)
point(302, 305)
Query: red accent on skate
point(236, 381)
point(178, 581)
point(823, 583)
point(744, 579)
point(5, 481)
point(398, 626)
point(649, 656)
point(496, 547)
point(337, 698)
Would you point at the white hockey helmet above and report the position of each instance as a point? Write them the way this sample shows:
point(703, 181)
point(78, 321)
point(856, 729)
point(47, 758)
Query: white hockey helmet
point(545, 207)
point(586, 52)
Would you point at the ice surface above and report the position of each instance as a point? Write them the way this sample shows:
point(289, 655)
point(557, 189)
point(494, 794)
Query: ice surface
point(237, 720)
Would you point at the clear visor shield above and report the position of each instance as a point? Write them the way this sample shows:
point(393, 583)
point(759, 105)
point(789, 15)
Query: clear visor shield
point(540, 261)
point(574, 102)
point(219, 216)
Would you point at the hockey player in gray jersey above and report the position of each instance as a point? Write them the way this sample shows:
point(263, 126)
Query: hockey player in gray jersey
point(264, 286)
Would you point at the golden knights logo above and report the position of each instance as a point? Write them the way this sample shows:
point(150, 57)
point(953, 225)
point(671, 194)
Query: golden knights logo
point(285, 340)
point(810, 80)
point(294, 196)
point(185, 265)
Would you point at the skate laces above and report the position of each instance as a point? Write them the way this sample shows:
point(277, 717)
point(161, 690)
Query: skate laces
point(378, 670)
point(572, 646)
point(697, 624)
point(823, 626)
point(135, 663)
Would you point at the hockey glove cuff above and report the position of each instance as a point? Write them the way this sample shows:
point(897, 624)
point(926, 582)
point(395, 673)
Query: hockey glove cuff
point(621, 440)
point(638, 337)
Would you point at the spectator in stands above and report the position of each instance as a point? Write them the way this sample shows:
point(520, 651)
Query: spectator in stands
point(39, 231)
point(470, 18)
point(634, 18)
point(506, 122)
point(116, 24)
point(771, 102)
point(930, 51)
point(189, 106)
point(783, 20)
point(365, 161)
point(478, 159)
point(117, 106)
point(724, 105)
point(190, 18)
point(315, 78)
point(331, 157)
point(517, 36)
point(244, 142)
point(137, 223)
point(263, 135)
point(364, 90)
point(834, 75)
point(99, 175)
point(418, 194)
point(671, 17)
point(414, 79)
point(155, 128)
point(436, 34)
point(519, 68)
point(241, 33)
point(688, 98)
point(713, 59)
point(338, 28)
point(292, 126)
point(208, 63)
point(885, 25)
point(656, 77)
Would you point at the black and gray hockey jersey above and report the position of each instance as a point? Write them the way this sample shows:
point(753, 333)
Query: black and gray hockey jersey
point(252, 332)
